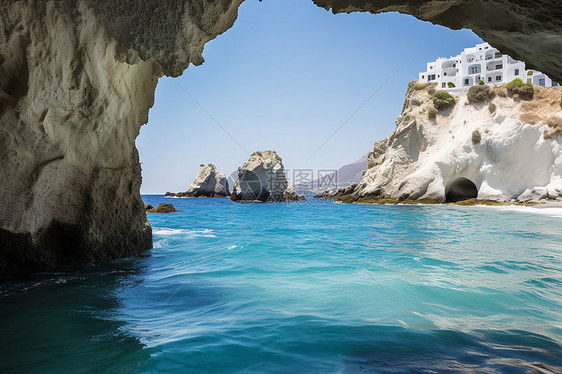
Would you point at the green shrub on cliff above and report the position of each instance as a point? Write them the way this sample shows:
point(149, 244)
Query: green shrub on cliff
point(451, 84)
point(443, 100)
point(481, 83)
point(525, 91)
point(432, 113)
point(476, 137)
point(480, 94)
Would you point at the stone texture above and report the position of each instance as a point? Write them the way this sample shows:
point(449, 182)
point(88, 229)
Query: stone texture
point(262, 178)
point(428, 158)
point(163, 208)
point(209, 183)
point(77, 79)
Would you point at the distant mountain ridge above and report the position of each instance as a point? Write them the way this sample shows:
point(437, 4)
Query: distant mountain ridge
point(344, 176)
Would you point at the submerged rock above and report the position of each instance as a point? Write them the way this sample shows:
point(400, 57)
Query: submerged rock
point(209, 183)
point(163, 208)
point(262, 178)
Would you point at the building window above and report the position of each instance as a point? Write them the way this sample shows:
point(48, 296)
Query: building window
point(431, 67)
point(498, 78)
point(445, 74)
point(516, 71)
point(485, 47)
point(423, 77)
point(466, 82)
point(443, 85)
point(431, 77)
point(499, 66)
point(475, 69)
point(489, 79)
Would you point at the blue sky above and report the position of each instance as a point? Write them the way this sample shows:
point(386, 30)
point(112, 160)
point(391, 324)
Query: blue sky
point(284, 78)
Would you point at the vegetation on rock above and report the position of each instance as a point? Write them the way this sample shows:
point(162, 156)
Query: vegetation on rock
point(443, 100)
point(524, 91)
point(476, 137)
point(432, 113)
point(480, 94)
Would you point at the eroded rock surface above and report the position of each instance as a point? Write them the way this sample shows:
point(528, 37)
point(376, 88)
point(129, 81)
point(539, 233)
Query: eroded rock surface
point(209, 183)
point(262, 178)
point(498, 149)
point(77, 79)
point(163, 208)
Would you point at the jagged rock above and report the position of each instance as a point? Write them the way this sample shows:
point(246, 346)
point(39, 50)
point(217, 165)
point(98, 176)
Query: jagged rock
point(439, 159)
point(262, 178)
point(163, 208)
point(209, 183)
point(77, 79)
point(148, 206)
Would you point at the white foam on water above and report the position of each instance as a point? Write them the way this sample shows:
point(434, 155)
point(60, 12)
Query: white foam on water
point(165, 231)
point(546, 211)
point(189, 234)
point(161, 243)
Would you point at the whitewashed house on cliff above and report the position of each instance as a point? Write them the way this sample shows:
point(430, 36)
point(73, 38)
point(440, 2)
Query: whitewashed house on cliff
point(482, 62)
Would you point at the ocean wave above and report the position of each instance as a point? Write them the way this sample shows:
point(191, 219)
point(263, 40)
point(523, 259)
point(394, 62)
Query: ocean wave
point(546, 211)
point(189, 234)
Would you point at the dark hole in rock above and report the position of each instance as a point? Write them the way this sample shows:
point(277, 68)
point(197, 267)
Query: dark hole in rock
point(460, 189)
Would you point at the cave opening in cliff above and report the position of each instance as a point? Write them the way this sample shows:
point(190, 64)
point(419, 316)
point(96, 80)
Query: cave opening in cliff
point(460, 189)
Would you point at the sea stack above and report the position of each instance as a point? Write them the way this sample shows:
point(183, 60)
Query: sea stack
point(209, 183)
point(262, 178)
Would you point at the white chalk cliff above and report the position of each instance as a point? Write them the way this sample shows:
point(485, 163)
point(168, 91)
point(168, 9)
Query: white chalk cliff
point(262, 178)
point(506, 148)
point(209, 183)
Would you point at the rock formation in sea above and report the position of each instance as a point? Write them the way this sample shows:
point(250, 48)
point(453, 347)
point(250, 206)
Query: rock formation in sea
point(77, 79)
point(490, 144)
point(262, 178)
point(163, 208)
point(209, 183)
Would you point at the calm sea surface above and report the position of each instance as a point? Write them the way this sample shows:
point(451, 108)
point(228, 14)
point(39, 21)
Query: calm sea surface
point(308, 287)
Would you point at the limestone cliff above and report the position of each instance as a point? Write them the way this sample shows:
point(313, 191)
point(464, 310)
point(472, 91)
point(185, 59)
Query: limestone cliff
point(262, 178)
point(492, 146)
point(77, 79)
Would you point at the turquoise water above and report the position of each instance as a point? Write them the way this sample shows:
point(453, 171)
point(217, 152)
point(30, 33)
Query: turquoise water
point(309, 287)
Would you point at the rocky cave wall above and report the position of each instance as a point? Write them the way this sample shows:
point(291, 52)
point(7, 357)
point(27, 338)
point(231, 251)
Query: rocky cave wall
point(77, 79)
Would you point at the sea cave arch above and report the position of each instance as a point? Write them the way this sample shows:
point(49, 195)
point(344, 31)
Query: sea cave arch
point(460, 189)
point(78, 77)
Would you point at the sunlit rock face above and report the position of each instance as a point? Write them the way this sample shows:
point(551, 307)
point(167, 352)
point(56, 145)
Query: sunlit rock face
point(77, 79)
point(525, 30)
point(263, 179)
point(501, 149)
point(209, 183)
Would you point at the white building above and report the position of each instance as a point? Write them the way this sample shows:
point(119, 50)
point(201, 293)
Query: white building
point(482, 62)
